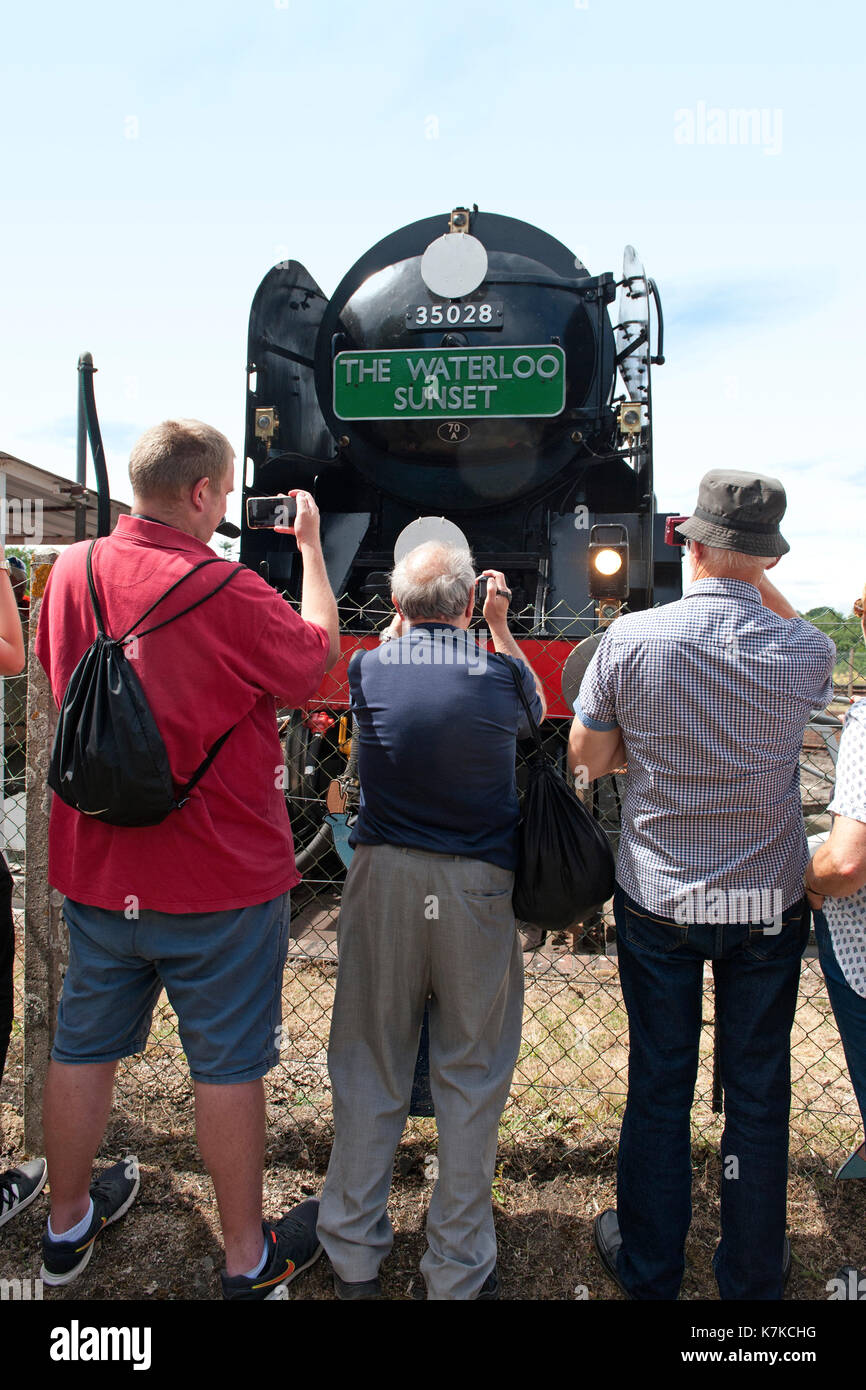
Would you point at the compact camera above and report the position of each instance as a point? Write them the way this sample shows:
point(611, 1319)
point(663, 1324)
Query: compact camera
point(672, 535)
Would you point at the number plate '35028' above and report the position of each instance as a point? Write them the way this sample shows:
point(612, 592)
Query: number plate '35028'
point(422, 317)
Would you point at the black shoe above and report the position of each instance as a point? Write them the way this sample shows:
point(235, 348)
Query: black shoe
point(490, 1288)
point(112, 1195)
point(608, 1243)
point(20, 1186)
point(362, 1289)
point(293, 1246)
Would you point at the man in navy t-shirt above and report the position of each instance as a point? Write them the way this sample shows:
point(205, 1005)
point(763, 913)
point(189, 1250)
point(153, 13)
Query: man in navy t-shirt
point(426, 913)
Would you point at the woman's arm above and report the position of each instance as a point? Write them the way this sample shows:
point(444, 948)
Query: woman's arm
point(838, 866)
point(11, 636)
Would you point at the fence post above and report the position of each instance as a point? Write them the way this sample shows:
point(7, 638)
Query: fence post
point(45, 944)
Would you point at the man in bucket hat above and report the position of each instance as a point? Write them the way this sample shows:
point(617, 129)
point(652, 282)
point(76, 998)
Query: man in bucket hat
point(739, 512)
point(707, 700)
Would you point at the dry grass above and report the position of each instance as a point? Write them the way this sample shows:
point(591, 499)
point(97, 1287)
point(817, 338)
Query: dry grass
point(557, 1153)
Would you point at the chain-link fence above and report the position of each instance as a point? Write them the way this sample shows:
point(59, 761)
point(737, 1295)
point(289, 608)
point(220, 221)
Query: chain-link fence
point(570, 1078)
point(13, 705)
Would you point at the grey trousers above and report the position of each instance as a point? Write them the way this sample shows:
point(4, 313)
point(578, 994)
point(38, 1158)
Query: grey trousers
point(414, 924)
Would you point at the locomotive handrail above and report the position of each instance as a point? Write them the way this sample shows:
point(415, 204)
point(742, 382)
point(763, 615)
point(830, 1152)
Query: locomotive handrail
point(87, 400)
point(658, 360)
point(587, 285)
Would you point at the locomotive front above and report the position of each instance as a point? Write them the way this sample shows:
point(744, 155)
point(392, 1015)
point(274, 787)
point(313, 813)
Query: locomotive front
point(465, 367)
point(465, 371)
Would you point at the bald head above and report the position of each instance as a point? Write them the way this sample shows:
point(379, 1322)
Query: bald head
point(433, 581)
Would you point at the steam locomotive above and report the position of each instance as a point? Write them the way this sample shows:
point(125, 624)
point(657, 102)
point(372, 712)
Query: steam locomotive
point(466, 369)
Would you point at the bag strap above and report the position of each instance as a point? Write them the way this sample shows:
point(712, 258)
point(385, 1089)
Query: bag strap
point(512, 666)
point(94, 601)
point(97, 613)
point(199, 601)
point(183, 795)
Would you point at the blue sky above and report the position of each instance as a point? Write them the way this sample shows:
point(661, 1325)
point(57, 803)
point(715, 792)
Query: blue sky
point(158, 159)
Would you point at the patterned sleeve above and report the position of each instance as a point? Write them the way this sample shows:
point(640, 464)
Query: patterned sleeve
point(825, 660)
point(595, 705)
point(849, 797)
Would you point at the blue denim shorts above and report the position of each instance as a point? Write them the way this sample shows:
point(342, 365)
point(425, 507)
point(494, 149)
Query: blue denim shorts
point(222, 972)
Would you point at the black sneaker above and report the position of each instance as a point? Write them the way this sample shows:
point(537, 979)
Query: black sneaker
point(362, 1289)
point(490, 1288)
point(293, 1246)
point(608, 1243)
point(112, 1194)
point(20, 1186)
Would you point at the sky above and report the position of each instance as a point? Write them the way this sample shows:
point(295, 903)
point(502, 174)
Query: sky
point(157, 159)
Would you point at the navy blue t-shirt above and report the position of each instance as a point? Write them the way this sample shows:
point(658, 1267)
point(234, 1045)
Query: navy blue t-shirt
point(438, 719)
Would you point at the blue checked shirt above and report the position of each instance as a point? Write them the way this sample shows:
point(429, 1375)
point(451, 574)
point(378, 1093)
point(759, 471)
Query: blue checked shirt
point(712, 694)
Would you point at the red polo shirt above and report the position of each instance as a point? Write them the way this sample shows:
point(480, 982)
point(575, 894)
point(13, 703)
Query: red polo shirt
point(231, 661)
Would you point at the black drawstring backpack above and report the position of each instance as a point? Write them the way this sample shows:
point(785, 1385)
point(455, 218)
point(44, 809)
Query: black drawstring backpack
point(108, 759)
point(565, 865)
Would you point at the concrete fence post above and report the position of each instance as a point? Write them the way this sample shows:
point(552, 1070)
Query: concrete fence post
point(45, 940)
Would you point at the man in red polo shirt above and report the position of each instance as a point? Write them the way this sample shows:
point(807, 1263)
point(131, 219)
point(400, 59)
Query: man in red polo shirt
point(198, 904)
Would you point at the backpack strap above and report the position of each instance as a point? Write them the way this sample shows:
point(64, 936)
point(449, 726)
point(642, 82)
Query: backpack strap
point(94, 601)
point(97, 612)
point(199, 601)
point(183, 795)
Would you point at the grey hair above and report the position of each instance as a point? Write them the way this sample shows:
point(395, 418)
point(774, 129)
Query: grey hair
point(733, 562)
point(433, 581)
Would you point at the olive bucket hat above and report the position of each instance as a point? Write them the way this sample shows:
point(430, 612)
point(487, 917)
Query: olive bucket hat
point(738, 511)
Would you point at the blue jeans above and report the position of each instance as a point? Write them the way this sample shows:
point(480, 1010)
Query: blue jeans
point(850, 1010)
point(756, 974)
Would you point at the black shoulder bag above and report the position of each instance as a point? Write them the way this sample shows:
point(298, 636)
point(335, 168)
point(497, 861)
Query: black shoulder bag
point(565, 865)
point(108, 759)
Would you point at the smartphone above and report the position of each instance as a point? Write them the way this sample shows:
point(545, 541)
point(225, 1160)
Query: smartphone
point(264, 513)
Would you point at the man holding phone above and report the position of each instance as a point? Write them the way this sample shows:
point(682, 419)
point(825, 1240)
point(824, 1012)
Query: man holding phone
point(426, 912)
point(199, 903)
